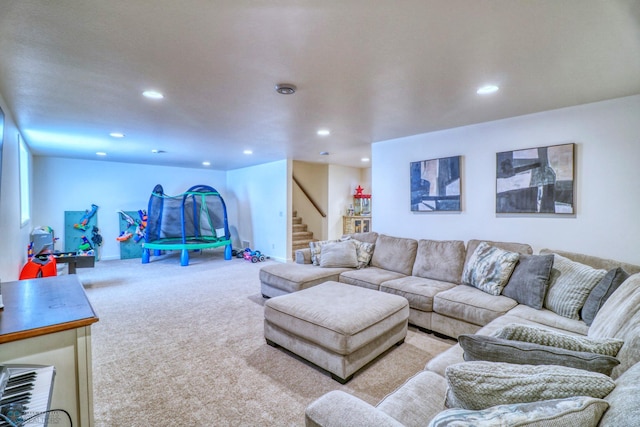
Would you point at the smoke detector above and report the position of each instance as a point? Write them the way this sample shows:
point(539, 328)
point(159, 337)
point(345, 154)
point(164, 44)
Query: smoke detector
point(285, 89)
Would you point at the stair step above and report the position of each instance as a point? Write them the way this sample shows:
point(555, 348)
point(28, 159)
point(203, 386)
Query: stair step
point(299, 227)
point(296, 220)
point(302, 235)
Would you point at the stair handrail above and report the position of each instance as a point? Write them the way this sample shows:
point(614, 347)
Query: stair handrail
point(304, 191)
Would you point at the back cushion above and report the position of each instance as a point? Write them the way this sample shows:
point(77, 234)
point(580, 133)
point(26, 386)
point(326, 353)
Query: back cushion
point(522, 248)
point(368, 237)
point(394, 254)
point(619, 318)
point(440, 260)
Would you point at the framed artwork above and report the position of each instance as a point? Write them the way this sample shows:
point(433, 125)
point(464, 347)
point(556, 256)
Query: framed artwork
point(536, 180)
point(435, 185)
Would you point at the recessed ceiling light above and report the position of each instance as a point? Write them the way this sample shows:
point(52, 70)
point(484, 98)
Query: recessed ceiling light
point(487, 89)
point(101, 153)
point(152, 94)
point(116, 135)
point(206, 163)
point(248, 152)
point(286, 88)
point(365, 159)
point(324, 153)
point(324, 132)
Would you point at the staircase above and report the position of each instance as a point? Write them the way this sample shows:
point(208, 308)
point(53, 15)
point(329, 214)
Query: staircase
point(300, 236)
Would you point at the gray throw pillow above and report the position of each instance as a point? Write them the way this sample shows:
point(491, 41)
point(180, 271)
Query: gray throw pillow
point(316, 248)
point(530, 279)
point(570, 285)
point(580, 411)
point(603, 290)
point(489, 268)
point(492, 349)
point(480, 385)
point(339, 254)
point(549, 337)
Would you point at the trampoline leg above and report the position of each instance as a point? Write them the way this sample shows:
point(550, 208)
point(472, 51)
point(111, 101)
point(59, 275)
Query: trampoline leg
point(145, 256)
point(184, 258)
point(157, 252)
point(227, 252)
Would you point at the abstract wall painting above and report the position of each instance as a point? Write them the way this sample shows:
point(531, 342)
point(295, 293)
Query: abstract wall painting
point(536, 180)
point(435, 185)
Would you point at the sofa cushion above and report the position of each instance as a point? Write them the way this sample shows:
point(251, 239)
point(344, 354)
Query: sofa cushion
point(603, 290)
point(316, 250)
point(570, 285)
point(419, 399)
point(624, 409)
point(368, 237)
point(295, 277)
point(440, 260)
point(480, 385)
point(471, 305)
point(548, 337)
point(419, 291)
point(580, 411)
point(370, 278)
point(339, 254)
point(521, 248)
point(364, 251)
point(489, 268)
point(394, 254)
point(493, 349)
point(529, 281)
point(547, 318)
point(619, 318)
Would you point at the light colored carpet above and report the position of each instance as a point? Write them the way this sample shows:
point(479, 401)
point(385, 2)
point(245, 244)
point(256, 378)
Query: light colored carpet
point(184, 346)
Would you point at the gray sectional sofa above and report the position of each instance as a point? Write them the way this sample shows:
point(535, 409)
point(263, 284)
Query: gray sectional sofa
point(438, 278)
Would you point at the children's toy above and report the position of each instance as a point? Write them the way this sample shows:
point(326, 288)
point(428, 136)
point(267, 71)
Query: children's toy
point(253, 256)
point(39, 266)
point(193, 220)
point(85, 245)
point(84, 221)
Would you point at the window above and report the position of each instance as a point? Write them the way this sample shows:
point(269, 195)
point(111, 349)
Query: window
point(25, 205)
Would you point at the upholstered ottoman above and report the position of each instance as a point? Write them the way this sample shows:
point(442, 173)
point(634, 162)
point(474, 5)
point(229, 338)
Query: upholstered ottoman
point(336, 326)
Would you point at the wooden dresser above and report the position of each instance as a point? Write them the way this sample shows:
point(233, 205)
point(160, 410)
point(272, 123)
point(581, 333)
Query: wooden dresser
point(47, 321)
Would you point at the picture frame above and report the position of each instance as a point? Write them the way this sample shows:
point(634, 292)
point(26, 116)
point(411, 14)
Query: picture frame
point(536, 180)
point(436, 185)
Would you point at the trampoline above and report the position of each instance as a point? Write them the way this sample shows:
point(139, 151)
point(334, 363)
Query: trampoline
point(193, 220)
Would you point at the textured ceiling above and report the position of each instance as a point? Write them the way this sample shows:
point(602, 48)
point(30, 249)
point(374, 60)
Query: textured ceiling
point(72, 71)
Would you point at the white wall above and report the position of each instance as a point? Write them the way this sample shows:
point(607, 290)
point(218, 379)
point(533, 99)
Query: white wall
point(314, 177)
point(343, 182)
point(14, 238)
point(262, 196)
point(73, 185)
point(607, 137)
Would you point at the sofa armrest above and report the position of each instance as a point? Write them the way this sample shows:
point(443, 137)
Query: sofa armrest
point(337, 408)
point(303, 256)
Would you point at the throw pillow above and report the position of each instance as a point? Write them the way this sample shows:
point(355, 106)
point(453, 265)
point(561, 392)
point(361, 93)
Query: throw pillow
point(536, 335)
point(480, 385)
point(570, 285)
point(492, 349)
point(364, 251)
point(580, 411)
point(603, 290)
point(529, 280)
point(489, 268)
point(316, 248)
point(339, 254)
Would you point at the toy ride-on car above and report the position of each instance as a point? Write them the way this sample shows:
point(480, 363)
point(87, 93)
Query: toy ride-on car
point(253, 256)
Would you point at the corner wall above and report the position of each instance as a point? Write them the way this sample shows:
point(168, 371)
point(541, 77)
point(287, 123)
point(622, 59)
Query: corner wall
point(607, 201)
point(62, 184)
